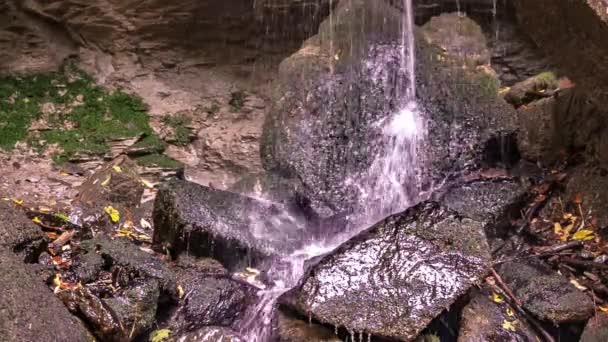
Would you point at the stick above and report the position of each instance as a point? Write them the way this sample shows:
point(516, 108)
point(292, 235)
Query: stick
point(560, 247)
point(584, 264)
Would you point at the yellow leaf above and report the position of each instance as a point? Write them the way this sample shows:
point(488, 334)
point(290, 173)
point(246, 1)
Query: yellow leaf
point(603, 308)
point(557, 228)
point(180, 291)
point(497, 298)
point(18, 202)
point(117, 168)
point(147, 184)
point(508, 325)
point(36, 220)
point(160, 335)
point(583, 235)
point(64, 174)
point(114, 214)
point(107, 181)
point(566, 232)
point(510, 312)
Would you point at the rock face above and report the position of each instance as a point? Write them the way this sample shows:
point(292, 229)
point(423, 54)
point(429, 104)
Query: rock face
point(234, 229)
point(19, 234)
point(290, 329)
point(546, 294)
point(328, 109)
point(20, 291)
point(576, 40)
point(393, 279)
point(211, 334)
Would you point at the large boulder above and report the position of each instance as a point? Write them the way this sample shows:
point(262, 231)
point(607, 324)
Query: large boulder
point(333, 94)
point(234, 229)
point(19, 234)
point(20, 292)
point(596, 329)
point(394, 278)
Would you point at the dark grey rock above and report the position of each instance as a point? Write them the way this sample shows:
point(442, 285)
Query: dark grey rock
point(596, 329)
point(88, 266)
point(483, 319)
point(136, 306)
point(545, 293)
point(394, 278)
point(29, 311)
point(210, 299)
point(234, 229)
point(486, 200)
point(19, 234)
point(291, 329)
point(211, 334)
point(122, 254)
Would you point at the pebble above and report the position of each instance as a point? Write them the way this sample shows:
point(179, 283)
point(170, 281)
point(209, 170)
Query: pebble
point(601, 259)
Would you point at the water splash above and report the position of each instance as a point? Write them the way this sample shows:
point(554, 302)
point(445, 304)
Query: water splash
point(386, 188)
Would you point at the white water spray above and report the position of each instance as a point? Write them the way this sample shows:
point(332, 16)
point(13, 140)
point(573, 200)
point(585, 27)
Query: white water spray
point(384, 190)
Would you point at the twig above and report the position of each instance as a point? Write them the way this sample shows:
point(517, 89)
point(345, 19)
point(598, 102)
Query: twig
point(505, 287)
point(559, 248)
point(584, 264)
point(63, 239)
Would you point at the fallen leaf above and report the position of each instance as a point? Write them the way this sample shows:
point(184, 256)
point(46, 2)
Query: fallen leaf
point(113, 213)
point(577, 285)
point(36, 220)
point(583, 235)
point(510, 312)
point(145, 224)
point(497, 298)
point(160, 335)
point(147, 184)
point(508, 325)
point(566, 232)
point(180, 291)
point(117, 168)
point(557, 228)
point(603, 308)
point(62, 217)
point(18, 202)
point(578, 198)
point(107, 181)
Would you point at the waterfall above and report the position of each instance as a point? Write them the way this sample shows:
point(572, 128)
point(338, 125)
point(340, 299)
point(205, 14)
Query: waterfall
point(386, 188)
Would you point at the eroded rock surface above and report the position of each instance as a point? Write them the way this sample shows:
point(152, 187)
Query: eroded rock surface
point(291, 329)
point(394, 278)
point(596, 329)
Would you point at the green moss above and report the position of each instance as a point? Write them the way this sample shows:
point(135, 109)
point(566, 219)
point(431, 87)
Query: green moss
point(150, 143)
point(158, 160)
point(212, 110)
point(488, 84)
point(87, 116)
point(179, 123)
point(548, 77)
point(237, 100)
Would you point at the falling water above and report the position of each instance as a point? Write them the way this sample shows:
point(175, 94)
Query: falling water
point(385, 189)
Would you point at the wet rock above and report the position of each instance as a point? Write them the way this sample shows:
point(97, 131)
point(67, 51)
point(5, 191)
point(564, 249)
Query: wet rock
point(211, 334)
point(486, 200)
point(328, 108)
point(394, 278)
point(545, 293)
point(29, 311)
point(136, 307)
point(122, 255)
point(458, 36)
point(596, 329)
point(88, 266)
point(211, 298)
point(494, 202)
point(104, 322)
point(19, 234)
point(268, 186)
point(290, 329)
point(482, 320)
point(234, 229)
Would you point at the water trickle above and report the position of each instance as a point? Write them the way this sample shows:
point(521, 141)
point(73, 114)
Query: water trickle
point(386, 188)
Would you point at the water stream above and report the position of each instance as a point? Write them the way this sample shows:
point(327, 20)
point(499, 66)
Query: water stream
point(386, 189)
